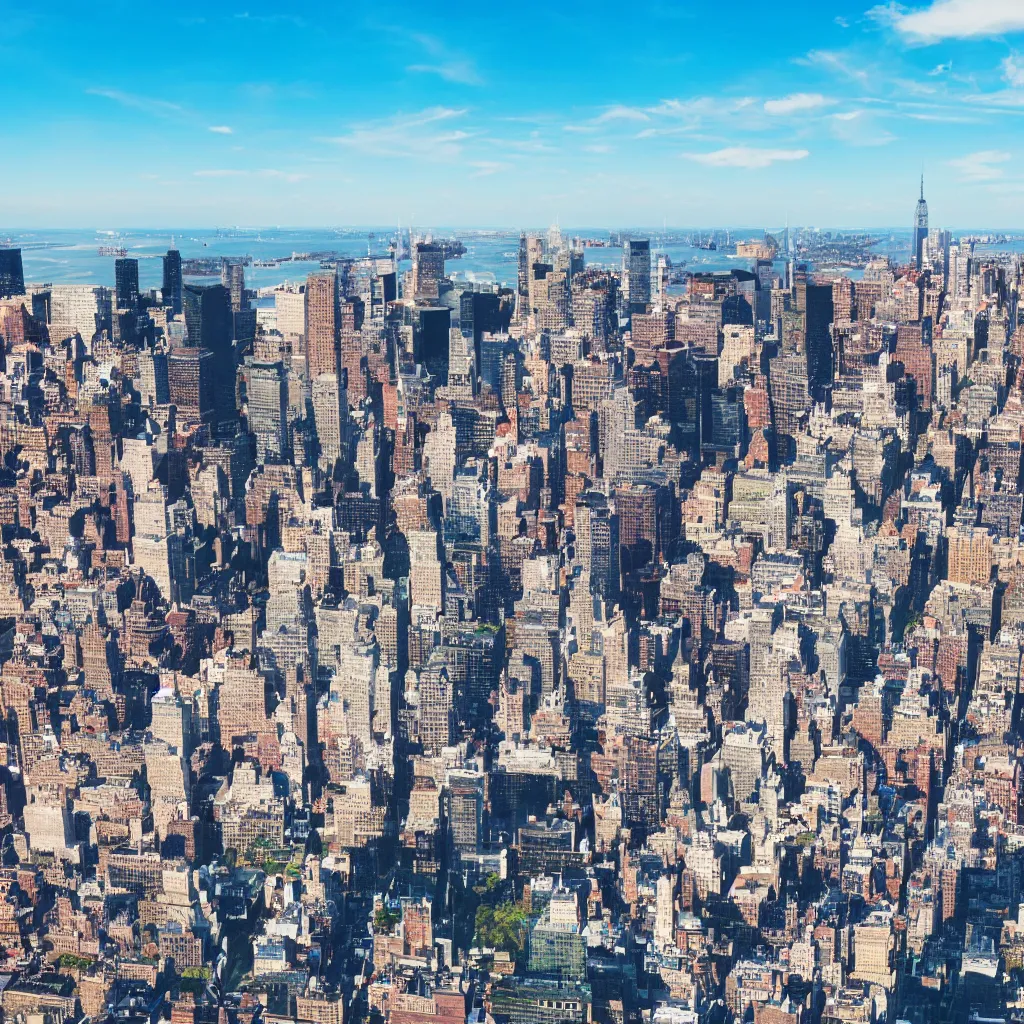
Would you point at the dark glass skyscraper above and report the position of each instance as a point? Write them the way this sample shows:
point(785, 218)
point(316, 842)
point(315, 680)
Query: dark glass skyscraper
point(208, 322)
point(12, 274)
point(818, 322)
point(172, 280)
point(637, 260)
point(126, 284)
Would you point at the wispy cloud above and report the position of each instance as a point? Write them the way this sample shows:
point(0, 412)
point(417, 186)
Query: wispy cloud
point(409, 135)
point(941, 69)
point(837, 63)
point(154, 107)
point(242, 172)
point(452, 67)
point(954, 19)
point(1013, 70)
point(485, 168)
point(860, 128)
point(273, 19)
point(220, 129)
point(619, 112)
point(747, 157)
point(796, 103)
point(982, 166)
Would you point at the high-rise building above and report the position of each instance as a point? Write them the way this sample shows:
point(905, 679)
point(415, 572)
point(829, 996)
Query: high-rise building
point(328, 400)
point(523, 262)
point(920, 232)
point(12, 274)
point(818, 328)
point(321, 324)
point(427, 270)
point(636, 259)
point(190, 383)
point(267, 403)
point(232, 276)
point(172, 281)
point(208, 323)
point(126, 284)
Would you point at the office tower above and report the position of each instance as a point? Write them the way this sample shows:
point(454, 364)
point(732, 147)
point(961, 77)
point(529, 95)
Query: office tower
point(818, 334)
point(267, 403)
point(480, 313)
point(523, 262)
point(914, 351)
point(636, 266)
point(920, 232)
point(328, 402)
point(465, 809)
point(126, 284)
point(789, 391)
point(436, 714)
point(427, 270)
point(12, 274)
point(191, 384)
point(208, 322)
point(80, 309)
point(431, 339)
point(172, 281)
point(152, 379)
point(321, 324)
point(597, 542)
point(232, 276)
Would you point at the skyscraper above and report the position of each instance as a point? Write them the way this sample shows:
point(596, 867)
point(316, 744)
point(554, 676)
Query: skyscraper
point(267, 402)
point(321, 324)
point(190, 382)
point(427, 270)
point(920, 232)
point(126, 284)
point(208, 324)
point(172, 281)
point(523, 262)
point(12, 274)
point(232, 276)
point(636, 258)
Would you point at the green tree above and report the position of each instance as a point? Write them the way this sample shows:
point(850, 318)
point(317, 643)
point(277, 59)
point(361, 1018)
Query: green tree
point(502, 927)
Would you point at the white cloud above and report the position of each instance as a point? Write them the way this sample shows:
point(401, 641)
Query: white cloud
point(860, 128)
point(599, 147)
point(452, 67)
point(157, 108)
point(958, 19)
point(942, 69)
point(409, 135)
point(485, 168)
point(748, 157)
point(461, 71)
point(1013, 70)
point(798, 101)
point(982, 166)
point(220, 129)
point(621, 113)
point(837, 63)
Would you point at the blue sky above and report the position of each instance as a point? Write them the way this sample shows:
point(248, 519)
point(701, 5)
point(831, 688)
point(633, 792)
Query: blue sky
point(742, 113)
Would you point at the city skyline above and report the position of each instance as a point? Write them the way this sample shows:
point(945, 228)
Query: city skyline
point(262, 117)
